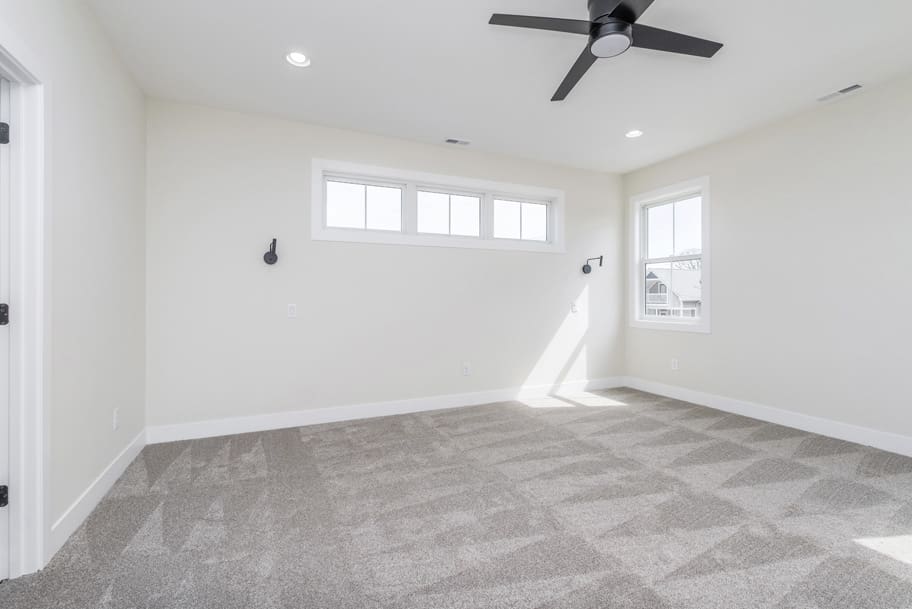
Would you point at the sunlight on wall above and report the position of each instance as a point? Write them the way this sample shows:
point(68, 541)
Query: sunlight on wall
point(897, 547)
point(564, 359)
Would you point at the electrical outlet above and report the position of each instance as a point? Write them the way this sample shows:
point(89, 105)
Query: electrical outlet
point(292, 311)
point(674, 363)
point(466, 369)
point(115, 423)
point(574, 308)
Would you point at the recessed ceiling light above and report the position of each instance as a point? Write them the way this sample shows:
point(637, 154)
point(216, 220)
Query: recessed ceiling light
point(298, 60)
point(634, 134)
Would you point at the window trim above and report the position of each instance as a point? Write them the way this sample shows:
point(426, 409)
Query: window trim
point(638, 204)
point(412, 182)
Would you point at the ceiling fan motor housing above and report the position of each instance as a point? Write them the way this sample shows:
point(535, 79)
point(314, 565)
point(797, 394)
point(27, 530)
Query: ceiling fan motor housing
point(601, 10)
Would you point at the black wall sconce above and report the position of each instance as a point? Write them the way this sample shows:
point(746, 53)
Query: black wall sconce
point(587, 268)
point(271, 257)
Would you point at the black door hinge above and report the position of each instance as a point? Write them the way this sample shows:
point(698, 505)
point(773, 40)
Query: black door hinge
point(4, 133)
point(4, 496)
point(4, 314)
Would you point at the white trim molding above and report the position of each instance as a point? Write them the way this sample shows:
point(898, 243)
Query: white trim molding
point(412, 181)
point(29, 305)
point(637, 265)
point(883, 440)
point(80, 509)
point(156, 434)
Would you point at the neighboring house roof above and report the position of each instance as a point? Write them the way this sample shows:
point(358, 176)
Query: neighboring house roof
point(686, 285)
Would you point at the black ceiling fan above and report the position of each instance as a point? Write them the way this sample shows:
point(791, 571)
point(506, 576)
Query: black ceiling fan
point(612, 29)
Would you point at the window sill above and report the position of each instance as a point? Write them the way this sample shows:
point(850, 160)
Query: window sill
point(699, 327)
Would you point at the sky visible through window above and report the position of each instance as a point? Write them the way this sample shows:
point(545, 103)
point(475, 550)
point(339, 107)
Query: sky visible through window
point(674, 229)
point(444, 214)
point(516, 220)
point(362, 206)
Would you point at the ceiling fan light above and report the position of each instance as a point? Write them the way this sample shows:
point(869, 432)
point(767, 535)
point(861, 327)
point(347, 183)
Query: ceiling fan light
point(610, 45)
point(611, 39)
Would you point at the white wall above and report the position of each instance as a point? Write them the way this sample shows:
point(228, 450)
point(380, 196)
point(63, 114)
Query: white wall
point(95, 180)
point(376, 322)
point(811, 224)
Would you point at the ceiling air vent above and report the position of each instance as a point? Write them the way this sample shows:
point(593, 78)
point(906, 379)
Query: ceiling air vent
point(456, 142)
point(839, 93)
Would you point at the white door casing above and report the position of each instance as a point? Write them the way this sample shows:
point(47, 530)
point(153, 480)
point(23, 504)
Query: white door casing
point(5, 251)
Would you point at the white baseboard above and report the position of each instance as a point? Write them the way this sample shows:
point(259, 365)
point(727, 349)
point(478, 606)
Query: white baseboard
point(157, 434)
point(76, 514)
point(884, 440)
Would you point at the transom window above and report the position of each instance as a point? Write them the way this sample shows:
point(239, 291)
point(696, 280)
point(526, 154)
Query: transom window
point(449, 214)
point(375, 205)
point(519, 220)
point(671, 258)
point(365, 206)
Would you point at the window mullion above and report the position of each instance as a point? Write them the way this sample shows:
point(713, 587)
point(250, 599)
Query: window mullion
point(549, 222)
point(487, 216)
point(410, 218)
point(520, 220)
point(674, 219)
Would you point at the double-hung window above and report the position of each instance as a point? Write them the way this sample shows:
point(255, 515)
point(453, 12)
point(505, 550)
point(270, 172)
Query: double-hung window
point(359, 203)
point(670, 270)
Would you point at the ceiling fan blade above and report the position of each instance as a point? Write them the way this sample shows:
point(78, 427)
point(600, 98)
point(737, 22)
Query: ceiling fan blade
point(631, 10)
point(571, 26)
point(582, 65)
point(645, 37)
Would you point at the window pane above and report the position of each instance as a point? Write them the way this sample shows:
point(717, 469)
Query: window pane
point(344, 205)
point(674, 290)
point(384, 208)
point(534, 222)
point(687, 288)
point(433, 213)
point(507, 219)
point(660, 231)
point(465, 215)
point(658, 297)
point(688, 220)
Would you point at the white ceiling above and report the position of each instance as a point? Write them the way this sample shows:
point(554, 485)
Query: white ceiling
point(427, 70)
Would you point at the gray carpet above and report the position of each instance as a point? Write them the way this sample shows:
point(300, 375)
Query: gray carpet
point(612, 500)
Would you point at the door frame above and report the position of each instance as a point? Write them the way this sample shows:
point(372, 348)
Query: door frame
point(29, 305)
